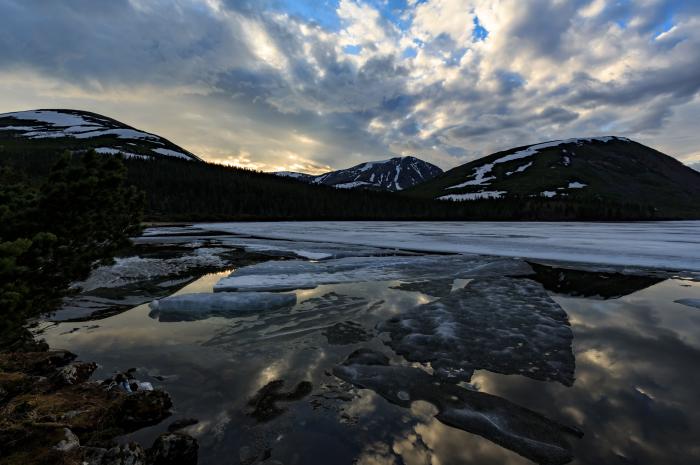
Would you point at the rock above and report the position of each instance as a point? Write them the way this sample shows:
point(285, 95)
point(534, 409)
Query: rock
point(182, 423)
point(74, 373)
point(70, 442)
point(142, 408)
point(35, 363)
point(173, 449)
point(264, 403)
point(123, 454)
point(12, 384)
point(366, 357)
point(246, 455)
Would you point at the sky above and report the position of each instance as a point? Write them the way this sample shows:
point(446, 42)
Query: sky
point(314, 85)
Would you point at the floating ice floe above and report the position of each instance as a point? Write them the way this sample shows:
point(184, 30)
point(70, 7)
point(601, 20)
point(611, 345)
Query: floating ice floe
point(330, 313)
point(190, 307)
point(505, 325)
point(521, 430)
point(126, 270)
point(296, 274)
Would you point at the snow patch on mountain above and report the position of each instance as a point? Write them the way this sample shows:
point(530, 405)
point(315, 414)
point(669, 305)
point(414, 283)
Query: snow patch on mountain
point(293, 175)
point(520, 168)
point(352, 185)
point(474, 196)
point(170, 153)
point(112, 151)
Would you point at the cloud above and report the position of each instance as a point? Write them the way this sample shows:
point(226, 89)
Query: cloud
point(446, 80)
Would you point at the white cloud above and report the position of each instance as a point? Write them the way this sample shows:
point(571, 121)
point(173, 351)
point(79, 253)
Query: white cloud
point(271, 89)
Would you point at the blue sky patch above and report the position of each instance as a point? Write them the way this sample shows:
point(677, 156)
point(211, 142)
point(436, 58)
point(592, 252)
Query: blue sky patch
point(480, 33)
point(352, 49)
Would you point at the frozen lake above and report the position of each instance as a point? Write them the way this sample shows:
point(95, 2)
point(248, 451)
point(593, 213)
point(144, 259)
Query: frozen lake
point(326, 343)
point(668, 245)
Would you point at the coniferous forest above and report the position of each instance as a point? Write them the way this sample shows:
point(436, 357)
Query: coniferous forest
point(178, 190)
point(54, 230)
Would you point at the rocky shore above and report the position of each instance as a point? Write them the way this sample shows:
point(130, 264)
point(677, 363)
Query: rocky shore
point(52, 413)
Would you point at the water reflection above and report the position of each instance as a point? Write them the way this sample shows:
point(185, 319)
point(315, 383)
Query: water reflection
point(634, 393)
point(582, 283)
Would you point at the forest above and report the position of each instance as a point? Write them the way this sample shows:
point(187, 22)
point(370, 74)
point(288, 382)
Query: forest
point(179, 190)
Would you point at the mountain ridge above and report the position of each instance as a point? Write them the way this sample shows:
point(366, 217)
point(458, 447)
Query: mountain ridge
point(76, 130)
point(607, 168)
point(592, 179)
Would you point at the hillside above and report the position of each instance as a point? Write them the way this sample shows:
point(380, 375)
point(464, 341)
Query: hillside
point(393, 175)
point(613, 170)
point(582, 179)
point(74, 130)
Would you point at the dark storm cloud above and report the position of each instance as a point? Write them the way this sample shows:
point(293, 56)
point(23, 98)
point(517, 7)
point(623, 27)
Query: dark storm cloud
point(682, 81)
point(115, 41)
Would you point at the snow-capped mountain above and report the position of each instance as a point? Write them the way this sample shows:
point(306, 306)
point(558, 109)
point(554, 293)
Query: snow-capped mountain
point(82, 130)
point(614, 168)
point(296, 175)
point(395, 174)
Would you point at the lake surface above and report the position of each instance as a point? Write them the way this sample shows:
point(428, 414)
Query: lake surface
point(634, 353)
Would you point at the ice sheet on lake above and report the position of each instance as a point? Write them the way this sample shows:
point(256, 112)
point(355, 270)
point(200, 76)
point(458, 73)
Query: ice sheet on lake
point(434, 287)
point(521, 430)
point(296, 274)
point(505, 325)
point(316, 315)
point(191, 307)
point(673, 245)
point(127, 270)
point(274, 247)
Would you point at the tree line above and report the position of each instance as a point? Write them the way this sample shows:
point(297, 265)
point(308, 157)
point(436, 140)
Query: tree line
point(55, 229)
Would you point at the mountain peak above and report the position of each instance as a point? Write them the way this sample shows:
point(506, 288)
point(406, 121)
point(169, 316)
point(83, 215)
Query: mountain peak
point(393, 174)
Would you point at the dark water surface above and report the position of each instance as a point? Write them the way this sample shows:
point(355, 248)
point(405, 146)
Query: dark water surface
point(635, 396)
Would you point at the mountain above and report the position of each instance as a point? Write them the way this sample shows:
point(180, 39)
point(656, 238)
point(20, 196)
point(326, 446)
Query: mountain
point(609, 169)
point(76, 130)
point(578, 179)
point(295, 175)
point(395, 174)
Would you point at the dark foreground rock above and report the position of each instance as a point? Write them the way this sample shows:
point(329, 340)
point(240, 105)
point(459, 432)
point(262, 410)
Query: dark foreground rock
point(174, 449)
point(51, 414)
point(264, 405)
